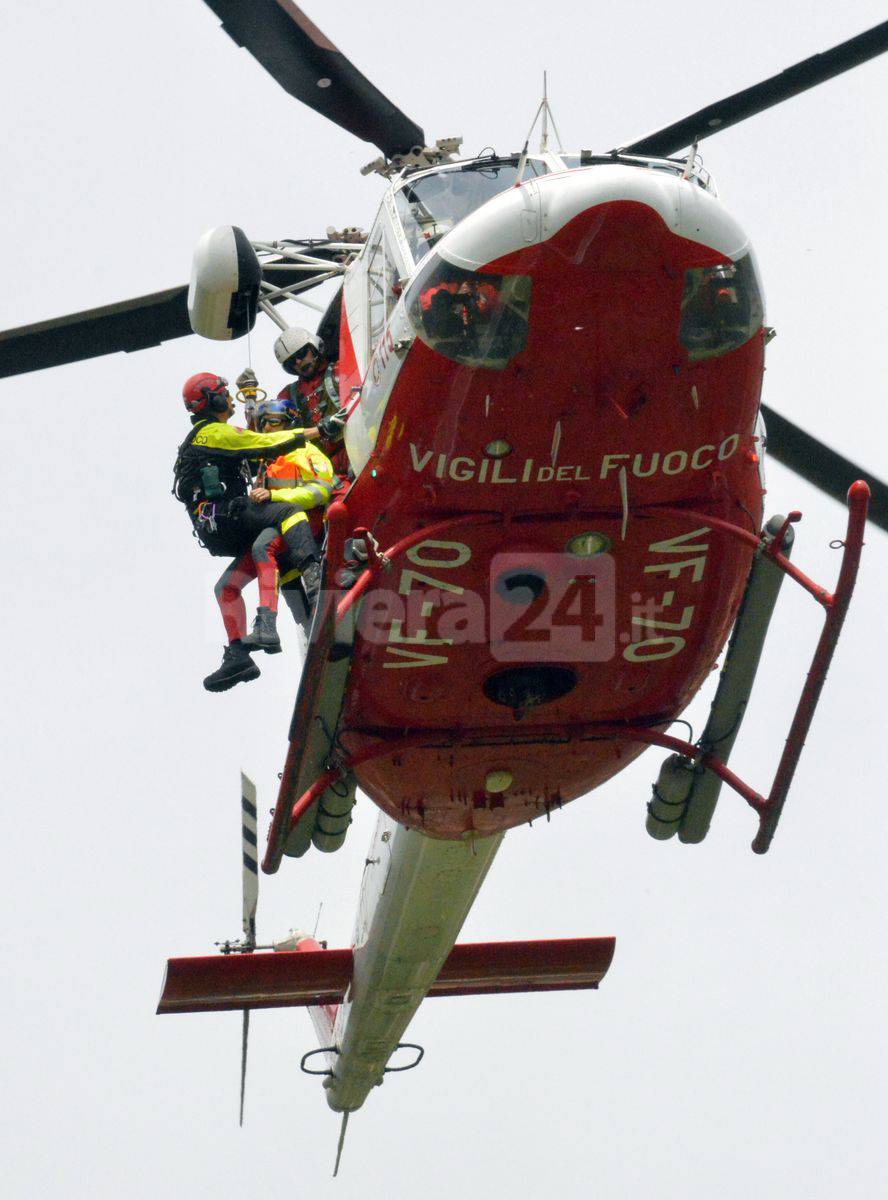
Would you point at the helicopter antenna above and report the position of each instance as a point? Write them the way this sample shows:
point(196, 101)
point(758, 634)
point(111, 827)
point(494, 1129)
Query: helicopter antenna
point(544, 110)
point(548, 115)
point(342, 1130)
point(544, 131)
point(522, 161)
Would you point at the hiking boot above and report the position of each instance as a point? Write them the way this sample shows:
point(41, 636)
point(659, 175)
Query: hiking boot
point(355, 563)
point(349, 574)
point(237, 667)
point(311, 584)
point(264, 635)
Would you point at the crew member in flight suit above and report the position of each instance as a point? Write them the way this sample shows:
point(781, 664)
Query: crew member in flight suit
point(313, 398)
point(212, 478)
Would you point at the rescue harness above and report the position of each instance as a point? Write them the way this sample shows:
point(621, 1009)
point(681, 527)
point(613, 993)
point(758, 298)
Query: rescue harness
point(208, 484)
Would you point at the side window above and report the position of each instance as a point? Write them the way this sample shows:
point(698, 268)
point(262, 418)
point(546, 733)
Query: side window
point(392, 281)
point(376, 286)
point(382, 276)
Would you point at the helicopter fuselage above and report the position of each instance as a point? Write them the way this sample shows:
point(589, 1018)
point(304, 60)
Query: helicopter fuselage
point(579, 354)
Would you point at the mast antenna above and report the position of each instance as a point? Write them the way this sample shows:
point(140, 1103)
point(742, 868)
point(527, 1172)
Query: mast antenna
point(544, 110)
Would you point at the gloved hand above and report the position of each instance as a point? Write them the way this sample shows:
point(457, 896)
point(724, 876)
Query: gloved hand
point(236, 507)
point(332, 426)
point(247, 380)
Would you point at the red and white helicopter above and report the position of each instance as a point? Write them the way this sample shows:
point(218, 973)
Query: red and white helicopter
point(552, 366)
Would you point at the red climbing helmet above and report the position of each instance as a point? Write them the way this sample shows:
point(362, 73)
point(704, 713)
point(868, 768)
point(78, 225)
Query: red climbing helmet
point(205, 392)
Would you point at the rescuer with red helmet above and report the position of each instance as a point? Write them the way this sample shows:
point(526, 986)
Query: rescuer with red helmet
point(213, 479)
point(313, 398)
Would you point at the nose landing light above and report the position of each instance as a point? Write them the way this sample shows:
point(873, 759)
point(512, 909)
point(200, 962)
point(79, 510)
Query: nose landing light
point(498, 781)
point(588, 545)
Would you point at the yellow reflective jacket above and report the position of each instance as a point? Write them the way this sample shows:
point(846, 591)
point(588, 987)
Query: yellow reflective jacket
point(303, 477)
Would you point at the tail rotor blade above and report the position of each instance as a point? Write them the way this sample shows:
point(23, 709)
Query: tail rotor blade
point(250, 858)
point(251, 901)
point(245, 1034)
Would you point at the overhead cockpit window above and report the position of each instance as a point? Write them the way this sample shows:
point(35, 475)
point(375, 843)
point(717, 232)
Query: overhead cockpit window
point(721, 308)
point(430, 205)
point(471, 317)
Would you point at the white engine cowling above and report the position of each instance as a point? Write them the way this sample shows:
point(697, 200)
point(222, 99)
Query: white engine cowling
point(224, 291)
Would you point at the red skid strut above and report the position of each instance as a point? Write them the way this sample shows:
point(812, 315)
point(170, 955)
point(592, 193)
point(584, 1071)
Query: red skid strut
point(836, 606)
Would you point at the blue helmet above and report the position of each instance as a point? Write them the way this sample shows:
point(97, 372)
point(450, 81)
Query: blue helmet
point(273, 408)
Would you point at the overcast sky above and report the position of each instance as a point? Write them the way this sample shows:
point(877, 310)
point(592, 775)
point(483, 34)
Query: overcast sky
point(738, 1044)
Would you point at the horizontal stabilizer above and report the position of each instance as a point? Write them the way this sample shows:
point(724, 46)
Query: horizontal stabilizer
point(485, 968)
point(281, 979)
point(293, 978)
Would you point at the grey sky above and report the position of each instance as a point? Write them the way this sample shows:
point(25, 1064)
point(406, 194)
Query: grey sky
point(738, 1043)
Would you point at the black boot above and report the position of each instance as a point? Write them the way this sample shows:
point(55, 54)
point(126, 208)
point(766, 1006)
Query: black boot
point(349, 574)
point(355, 563)
point(264, 635)
point(311, 584)
point(237, 667)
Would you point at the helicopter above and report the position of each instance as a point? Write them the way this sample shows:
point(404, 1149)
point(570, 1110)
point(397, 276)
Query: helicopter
point(468, 470)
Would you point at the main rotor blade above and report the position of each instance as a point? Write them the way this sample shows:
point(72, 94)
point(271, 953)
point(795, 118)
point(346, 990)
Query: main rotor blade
point(755, 99)
point(820, 465)
point(128, 325)
point(308, 66)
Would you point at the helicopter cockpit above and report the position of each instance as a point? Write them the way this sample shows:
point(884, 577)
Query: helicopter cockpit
point(431, 204)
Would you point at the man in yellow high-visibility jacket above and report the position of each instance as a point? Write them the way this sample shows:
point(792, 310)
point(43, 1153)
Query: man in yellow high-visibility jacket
point(303, 478)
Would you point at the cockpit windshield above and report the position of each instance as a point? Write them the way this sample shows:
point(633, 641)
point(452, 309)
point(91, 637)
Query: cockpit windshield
point(430, 205)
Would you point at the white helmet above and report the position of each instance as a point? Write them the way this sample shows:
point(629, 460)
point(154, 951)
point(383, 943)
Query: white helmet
point(291, 341)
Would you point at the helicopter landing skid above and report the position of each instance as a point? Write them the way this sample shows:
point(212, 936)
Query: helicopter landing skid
point(686, 792)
